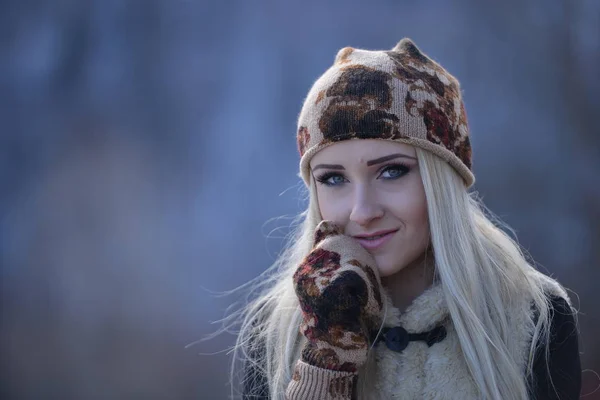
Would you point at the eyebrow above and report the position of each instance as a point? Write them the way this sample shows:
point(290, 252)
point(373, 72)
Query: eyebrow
point(369, 163)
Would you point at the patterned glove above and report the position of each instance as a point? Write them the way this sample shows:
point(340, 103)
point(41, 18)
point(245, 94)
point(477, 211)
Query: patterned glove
point(339, 290)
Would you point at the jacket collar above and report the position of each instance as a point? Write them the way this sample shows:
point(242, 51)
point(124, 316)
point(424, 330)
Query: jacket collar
point(426, 312)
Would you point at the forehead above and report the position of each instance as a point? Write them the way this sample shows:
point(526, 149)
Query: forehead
point(360, 151)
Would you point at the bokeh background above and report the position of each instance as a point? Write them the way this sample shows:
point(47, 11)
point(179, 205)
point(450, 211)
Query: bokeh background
point(148, 159)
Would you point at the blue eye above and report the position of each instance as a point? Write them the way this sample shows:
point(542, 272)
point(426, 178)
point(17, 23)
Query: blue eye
point(326, 179)
point(395, 171)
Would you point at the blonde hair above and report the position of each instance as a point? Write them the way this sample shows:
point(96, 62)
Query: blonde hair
point(481, 270)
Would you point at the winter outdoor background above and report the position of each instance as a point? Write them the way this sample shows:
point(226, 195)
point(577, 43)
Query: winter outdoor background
point(148, 147)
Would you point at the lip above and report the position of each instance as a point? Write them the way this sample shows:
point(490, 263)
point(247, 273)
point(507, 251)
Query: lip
point(375, 244)
point(383, 232)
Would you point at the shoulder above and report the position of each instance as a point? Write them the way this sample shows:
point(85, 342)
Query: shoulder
point(563, 325)
point(551, 287)
point(562, 320)
point(557, 367)
point(561, 314)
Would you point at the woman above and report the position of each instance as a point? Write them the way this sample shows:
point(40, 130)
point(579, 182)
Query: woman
point(396, 283)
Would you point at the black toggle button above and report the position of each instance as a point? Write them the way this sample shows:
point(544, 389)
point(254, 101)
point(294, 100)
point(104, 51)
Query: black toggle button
point(397, 338)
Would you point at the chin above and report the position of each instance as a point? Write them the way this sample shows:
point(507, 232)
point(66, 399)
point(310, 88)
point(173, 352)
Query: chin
point(390, 263)
point(386, 270)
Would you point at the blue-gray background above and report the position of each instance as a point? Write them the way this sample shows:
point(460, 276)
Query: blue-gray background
point(146, 146)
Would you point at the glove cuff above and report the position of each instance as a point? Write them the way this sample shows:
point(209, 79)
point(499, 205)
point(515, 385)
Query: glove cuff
point(311, 382)
point(335, 360)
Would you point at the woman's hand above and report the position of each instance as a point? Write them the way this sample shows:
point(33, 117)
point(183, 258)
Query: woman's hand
point(339, 290)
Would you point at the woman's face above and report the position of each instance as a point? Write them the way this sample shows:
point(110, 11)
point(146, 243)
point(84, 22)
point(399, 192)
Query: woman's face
point(368, 186)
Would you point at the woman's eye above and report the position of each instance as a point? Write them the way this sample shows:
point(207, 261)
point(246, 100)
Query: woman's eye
point(331, 179)
point(394, 171)
point(390, 172)
point(337, 179)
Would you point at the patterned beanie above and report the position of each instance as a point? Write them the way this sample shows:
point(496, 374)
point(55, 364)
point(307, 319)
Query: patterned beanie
point(400, 95)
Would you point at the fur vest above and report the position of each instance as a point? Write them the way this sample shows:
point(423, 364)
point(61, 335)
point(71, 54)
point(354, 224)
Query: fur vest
point(438, 371)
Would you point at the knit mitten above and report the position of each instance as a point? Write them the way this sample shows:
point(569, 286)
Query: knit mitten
point(339, 290)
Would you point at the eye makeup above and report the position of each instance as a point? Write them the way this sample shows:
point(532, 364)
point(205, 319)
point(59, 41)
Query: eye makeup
point(401, 168)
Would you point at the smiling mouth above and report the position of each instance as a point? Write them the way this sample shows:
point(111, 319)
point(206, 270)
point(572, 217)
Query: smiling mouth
point(375, 237)
point(375, 242)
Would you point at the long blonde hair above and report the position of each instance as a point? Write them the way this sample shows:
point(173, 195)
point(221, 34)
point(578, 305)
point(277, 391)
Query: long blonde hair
point(479, 266)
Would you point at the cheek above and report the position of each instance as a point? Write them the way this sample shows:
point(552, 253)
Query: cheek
point(410, 207)
point(411, 240)
point(332, 208)
point(419, 214)
point(409, 246)
point(416, 222)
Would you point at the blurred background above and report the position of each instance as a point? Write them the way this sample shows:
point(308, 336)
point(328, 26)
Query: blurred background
point(147, 151)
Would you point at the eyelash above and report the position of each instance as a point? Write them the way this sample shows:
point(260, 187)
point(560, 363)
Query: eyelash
point(405, 169)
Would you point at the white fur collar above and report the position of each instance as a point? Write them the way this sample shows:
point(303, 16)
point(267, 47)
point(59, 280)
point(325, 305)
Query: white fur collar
point(424, 313)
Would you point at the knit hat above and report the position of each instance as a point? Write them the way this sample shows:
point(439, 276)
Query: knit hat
point(400, 95)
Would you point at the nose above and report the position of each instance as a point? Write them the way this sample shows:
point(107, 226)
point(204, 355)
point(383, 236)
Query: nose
point(366, 207)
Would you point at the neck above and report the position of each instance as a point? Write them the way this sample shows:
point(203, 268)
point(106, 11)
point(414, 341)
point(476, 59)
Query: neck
point(410, 282)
